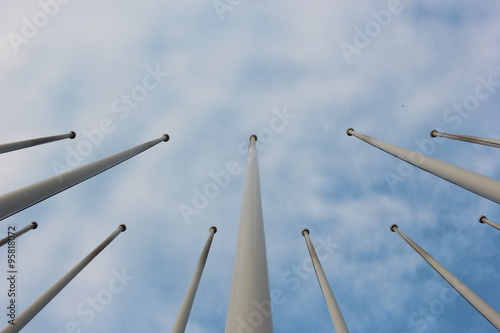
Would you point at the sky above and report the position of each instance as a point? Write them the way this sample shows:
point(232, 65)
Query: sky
point(211, 73)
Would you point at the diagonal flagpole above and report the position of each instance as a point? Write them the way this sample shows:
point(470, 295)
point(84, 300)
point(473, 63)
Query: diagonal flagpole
point(12, 146)
point(31, 311)
point(484, 219)
point(477, 302)
point(467, 138)
point(18, 200)
point(484, 186)
point(187, 303)
point(250, 302)
point(32, 225)
point(337, 318)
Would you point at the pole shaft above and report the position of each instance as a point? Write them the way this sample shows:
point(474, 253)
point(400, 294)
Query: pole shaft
point(31, 311)
point(18, 200)
point(484, 219)
point(477, 302)
point(467, 138)
point(32, 225)
point(484, 186)
point(187, 303)
point(337, 318)
point(12, 146)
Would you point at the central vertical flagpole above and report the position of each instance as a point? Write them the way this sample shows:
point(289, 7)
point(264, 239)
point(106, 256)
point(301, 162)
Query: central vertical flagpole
point(250, 302)
point(15, 201)
point(187, 303)
point(337, 318)
point(477, 302)
point(31, 311)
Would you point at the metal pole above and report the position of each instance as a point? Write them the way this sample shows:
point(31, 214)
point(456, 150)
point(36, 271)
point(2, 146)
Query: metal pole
point(249, 307)
point(473, 139)
point(18, 200)
point(25, 317)
point(8, 147)
point(477, 302)
point(337, 318)
point(484, 219)
point(187, 303)
point(484, 186)
point(32, 225)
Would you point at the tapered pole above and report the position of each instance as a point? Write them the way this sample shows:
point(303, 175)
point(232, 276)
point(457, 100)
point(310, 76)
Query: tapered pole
point(484, 186)
point(473, 139)
point(484, 219)
point(477, 302)
point(25, 317)
point(187, 303)
point(250, 301)
point(337, 318)
point(32, 225)
point(8, 147)
point(18, 200)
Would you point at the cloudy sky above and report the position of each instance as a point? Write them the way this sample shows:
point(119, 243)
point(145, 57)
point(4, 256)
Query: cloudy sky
point(210, 74)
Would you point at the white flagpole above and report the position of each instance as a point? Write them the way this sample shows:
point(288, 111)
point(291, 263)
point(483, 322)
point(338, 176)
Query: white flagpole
point(484, 186)
point(484, 219)
point(18, 200)
point(32, 225)
point(477, 302)
point(8, 147)
point(31, 311)
point(337, 318)
point(473, 139)
point(187, 303)
point(249, 307)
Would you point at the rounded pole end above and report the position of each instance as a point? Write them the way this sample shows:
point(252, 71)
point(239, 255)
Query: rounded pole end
point(123, 227)
point(166, 137)
point(394, 227)
point(34, 225)
point(481, 218)
point(73, 134)
point(349, 131)
point(432, 133)
point(305, 231)
point(214, 228)
point(254, 137)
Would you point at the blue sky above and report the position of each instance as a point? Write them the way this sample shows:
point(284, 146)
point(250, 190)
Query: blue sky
point(122, 73)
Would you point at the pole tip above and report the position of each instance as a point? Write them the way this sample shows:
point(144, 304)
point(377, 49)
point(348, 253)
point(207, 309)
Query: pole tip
point(73, 134)
point(166, 137)
point(394, 227)
point(481, 218)
point(432, 133)
point(123, 227)
point(34, 225)
point(214, 228)
point(349, 131)
point(305, 231)
point(254, 137)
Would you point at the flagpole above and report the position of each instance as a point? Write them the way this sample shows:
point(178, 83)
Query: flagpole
point(467, 138)
point(484, 186)
point(187, 303)
point(18, 200)
point(12, 146)
point(484, 219)
point(477, 302)
point(335, 314)
point(32, 225)
point(249, 307)
point(31, 311)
